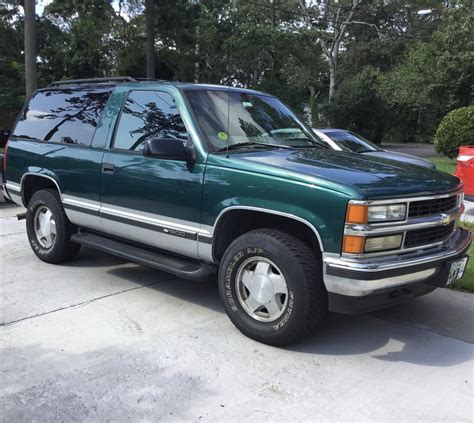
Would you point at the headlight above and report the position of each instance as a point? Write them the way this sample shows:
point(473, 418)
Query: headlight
point(361, 213)
point(389, 213)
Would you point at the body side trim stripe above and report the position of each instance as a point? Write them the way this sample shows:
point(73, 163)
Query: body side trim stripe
point(153, 219)
point(206, 239)
point(13, 190)
point(13, 185)
point(145, 225)
point(80, 209)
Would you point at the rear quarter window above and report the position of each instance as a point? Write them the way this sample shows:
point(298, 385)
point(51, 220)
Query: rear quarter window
point(66, 116)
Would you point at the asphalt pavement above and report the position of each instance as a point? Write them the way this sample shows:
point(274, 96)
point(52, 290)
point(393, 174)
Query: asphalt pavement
point(101, 339)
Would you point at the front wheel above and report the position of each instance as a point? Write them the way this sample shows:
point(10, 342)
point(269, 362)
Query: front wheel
point(271, 286)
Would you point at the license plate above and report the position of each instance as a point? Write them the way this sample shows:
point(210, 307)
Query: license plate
point(457, 270)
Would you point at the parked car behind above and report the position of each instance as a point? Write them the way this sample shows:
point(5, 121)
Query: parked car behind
point(215, 182)
point(465, 170)
point(342, 140)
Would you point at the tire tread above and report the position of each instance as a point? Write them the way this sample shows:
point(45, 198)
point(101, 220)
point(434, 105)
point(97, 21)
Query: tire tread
point(69, 249)
point(309, 266)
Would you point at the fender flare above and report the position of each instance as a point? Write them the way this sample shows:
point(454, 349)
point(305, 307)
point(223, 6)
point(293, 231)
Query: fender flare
point(24, 177)
point(269, 211)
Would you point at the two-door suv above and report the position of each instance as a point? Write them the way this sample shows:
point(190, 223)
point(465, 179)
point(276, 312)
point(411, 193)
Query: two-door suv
point(199, 180)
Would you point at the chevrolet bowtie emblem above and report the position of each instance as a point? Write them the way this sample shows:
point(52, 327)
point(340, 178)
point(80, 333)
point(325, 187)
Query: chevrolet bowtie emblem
point(445, 219)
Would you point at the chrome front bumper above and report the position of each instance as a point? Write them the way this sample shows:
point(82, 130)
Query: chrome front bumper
point(360, 277)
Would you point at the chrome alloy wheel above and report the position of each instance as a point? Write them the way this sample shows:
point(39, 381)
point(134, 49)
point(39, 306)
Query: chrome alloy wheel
point(261, 289)
point(45, 227)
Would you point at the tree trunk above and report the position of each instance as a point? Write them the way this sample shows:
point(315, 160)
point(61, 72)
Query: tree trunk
point(150, 38)
point(332, 81)
point(30, 47)
point(196, 53)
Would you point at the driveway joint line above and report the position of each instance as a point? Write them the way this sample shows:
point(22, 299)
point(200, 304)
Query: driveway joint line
point(410, 325)
point(83, 303)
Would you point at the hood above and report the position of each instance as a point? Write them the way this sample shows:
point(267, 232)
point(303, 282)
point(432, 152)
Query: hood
point(407, 158)
point(375, 177)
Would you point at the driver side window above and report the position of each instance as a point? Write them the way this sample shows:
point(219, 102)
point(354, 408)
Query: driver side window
point(146, 115)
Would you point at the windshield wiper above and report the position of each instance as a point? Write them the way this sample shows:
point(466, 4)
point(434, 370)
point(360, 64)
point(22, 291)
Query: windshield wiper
point(251, 144)
point(309, 146)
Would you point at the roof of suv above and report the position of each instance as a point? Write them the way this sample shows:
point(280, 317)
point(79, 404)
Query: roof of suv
point(128, 80)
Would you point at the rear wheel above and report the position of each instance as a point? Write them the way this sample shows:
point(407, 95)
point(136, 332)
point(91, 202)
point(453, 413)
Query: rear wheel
point(271, 286)
point(48, 228)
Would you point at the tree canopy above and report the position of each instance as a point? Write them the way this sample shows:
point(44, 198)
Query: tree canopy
point(383, 69)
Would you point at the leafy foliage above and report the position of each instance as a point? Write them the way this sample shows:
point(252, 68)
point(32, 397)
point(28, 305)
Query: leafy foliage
point(393, 75)
point(456, 129)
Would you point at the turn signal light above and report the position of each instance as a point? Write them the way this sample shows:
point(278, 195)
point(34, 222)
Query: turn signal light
point(357, 213)
point(353, 244)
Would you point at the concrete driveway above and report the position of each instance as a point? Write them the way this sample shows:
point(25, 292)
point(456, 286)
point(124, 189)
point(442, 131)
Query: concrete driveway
point(100, 339)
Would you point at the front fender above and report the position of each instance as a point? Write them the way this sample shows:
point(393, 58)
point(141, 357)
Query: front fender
point(319, 208)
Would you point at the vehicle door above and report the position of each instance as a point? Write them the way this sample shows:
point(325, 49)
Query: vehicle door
point(150, 200)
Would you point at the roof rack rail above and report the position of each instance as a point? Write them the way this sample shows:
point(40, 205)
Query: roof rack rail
point(92, 81)
point(153, 80)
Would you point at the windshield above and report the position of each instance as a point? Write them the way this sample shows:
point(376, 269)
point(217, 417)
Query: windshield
point(349, 141)
point(240, 119)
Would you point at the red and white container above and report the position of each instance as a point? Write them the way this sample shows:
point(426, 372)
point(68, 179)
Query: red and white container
point(465, 170)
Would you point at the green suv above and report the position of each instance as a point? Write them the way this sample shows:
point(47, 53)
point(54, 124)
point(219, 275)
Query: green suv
point(200, 180)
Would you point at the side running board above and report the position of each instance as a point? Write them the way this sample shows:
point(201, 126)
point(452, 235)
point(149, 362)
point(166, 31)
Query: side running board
point(177, 265)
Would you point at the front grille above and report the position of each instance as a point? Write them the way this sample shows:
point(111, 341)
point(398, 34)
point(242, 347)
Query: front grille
point(429, 207)
point(428, 236)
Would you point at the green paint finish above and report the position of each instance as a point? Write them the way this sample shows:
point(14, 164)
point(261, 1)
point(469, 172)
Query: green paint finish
point(311, 184)
point(75, 169)
point(163, 187)
point(359, 176)
point(227, 186)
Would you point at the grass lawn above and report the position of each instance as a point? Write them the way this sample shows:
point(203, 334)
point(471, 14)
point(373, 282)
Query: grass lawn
point(467, 282)
point(444, 164)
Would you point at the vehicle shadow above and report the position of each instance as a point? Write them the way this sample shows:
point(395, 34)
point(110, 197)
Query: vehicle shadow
point(341, 335)
point(89, 257)
point(204, 294)
point(5, 205)
point(384, 340)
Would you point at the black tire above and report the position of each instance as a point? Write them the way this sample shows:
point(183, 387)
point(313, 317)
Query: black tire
point(62, 249)
point(307, 303)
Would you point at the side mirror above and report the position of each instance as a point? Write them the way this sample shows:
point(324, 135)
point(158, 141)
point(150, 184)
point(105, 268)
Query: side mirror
point(168, 149)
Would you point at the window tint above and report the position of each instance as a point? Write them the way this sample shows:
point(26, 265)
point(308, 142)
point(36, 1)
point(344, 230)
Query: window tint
point(146, 115)
point(65, 116)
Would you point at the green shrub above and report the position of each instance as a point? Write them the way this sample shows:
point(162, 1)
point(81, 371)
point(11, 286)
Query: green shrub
point(456, 129)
